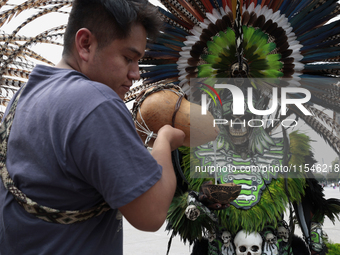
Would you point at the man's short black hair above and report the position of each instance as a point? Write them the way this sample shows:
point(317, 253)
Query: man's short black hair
point(110, 19)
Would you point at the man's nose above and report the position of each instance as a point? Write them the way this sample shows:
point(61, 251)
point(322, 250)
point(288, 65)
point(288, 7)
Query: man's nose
point(134, 72)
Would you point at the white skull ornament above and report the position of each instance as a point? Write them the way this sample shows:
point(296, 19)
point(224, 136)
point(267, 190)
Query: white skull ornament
point(248, 243)
point(270, 247)
point(283, 232)
point(211, 236)
point(192, 212)
point(226, 237)
point(270, 238)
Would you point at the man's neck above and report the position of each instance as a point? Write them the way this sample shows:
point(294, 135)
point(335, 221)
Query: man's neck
point(64, 64)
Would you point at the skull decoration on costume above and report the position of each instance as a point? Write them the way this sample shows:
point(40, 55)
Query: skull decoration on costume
point(227, 247)
point(237, 131)
point(270, 247)
point(283, 233)
point(192, 212)
point(226, 237)
point(248, 243)
point(238, 73)
point(271, 238)
point(211, 236)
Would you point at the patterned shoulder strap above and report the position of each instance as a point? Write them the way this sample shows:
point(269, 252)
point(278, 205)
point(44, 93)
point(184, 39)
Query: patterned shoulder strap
point(43, 212)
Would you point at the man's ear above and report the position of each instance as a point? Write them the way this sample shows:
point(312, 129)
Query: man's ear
point(84, 42)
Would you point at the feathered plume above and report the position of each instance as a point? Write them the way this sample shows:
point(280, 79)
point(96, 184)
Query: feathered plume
point(17, 58)
point(297, 40)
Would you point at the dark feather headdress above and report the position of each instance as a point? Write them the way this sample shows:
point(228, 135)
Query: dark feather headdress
point(294, 40)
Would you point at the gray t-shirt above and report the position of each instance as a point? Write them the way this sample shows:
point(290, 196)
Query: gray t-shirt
point(73, 144)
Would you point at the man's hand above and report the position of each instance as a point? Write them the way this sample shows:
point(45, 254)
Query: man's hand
point(175, 137)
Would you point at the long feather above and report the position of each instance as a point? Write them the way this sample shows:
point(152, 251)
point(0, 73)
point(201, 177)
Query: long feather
point(332, 124)
point(178, 10)
point(315, 17)
point(16, 72)
point(2, 3)
point(332, 140)
point(192, 10)
point(41, 13)
point(18, 51)
point(173, 20)
point(276, 4)
point(10, 82)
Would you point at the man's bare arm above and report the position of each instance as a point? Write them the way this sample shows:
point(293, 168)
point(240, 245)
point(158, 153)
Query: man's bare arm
point(148, 211)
